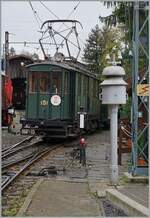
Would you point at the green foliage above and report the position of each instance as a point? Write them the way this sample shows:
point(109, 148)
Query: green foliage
point(125, 111)
point(123, 180)
point(99, 44)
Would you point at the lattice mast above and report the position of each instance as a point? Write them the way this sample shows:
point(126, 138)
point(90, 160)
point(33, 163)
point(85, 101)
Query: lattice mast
point(140, 80)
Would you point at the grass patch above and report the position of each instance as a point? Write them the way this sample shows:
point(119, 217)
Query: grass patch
point(123, 180)
point(16, 204)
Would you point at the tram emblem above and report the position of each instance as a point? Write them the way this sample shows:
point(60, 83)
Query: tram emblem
point(55, 100)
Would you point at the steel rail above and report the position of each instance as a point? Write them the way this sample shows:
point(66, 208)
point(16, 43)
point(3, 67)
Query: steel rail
point(6, 165)
point(28, 164)
point(6, 154)
point(17, 144)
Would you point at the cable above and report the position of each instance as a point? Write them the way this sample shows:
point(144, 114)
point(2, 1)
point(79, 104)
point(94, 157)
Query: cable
point(49, 10)
point(73, 10)
point(71, 13)
point(35, 14)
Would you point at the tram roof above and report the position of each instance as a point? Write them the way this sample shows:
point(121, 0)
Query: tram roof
point(69, 65)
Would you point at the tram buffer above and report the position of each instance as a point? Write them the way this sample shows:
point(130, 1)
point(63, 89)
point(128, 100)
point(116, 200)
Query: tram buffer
point(82, 144)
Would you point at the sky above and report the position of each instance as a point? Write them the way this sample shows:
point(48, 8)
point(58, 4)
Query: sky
point(19, 20)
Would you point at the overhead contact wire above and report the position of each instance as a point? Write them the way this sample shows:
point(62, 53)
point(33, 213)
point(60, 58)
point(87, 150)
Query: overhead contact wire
point(35, 14)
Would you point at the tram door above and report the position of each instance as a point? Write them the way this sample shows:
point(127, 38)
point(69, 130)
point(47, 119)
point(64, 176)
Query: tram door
point(43, 101)
point(32, 97)
point(55, 95)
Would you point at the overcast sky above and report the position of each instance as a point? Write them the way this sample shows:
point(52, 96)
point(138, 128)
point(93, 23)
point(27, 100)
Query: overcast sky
point(18, 19)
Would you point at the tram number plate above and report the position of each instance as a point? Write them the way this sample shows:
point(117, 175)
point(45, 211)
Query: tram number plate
point(44, 103)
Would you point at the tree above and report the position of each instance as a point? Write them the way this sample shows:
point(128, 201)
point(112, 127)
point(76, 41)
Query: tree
point(91, 50)
point(123, 14)
point(99, 44)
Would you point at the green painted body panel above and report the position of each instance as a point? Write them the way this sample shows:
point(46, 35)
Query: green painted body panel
point(56, 112)
point(65, 108)
point(43, 106)
point(32, 106)
point(85, 95)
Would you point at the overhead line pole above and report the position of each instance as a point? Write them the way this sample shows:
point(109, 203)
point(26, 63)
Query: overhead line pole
point(134, 85)
point(140, 121)
point(149, 80)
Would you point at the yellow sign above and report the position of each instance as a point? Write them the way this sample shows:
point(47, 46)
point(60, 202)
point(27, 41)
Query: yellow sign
point(143, 89)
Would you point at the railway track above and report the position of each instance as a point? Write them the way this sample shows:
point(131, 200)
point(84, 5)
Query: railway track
point(16, 147)
point(21, 174)
point(20, 152)
point(32, 159)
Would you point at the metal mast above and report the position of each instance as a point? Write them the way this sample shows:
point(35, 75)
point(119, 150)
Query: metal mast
point(140, 81)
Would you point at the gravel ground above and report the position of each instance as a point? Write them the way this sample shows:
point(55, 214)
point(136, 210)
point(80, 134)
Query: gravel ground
point(111, 210)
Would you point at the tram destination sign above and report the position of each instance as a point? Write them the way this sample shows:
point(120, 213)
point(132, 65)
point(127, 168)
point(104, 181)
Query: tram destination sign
point(143, 89)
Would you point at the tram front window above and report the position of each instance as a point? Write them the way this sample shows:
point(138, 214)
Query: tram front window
point(44, 82)
point(56, 82)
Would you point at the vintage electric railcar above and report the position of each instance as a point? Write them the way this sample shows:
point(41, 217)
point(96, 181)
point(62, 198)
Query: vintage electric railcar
point(55, 93)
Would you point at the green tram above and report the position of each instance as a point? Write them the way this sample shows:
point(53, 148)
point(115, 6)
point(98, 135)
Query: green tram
point(55, 93)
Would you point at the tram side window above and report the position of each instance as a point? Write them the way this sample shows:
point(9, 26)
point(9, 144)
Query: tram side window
point(56, 82)
point(44, 82)
point(32, 82)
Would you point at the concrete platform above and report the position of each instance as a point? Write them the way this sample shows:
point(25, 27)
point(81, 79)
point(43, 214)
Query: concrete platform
point(130, 206)
point(60, 198)
point(137, 179)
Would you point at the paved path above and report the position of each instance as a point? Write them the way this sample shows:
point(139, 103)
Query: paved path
point(60, 198)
